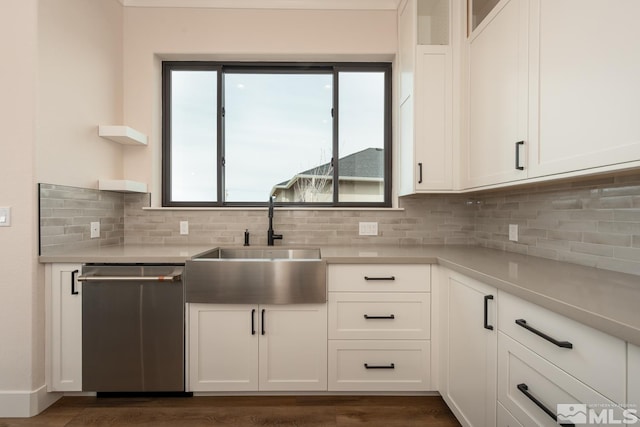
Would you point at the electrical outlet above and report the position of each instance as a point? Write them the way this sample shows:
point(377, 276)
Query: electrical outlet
point(5, 217)
point(184, 227)
point(95, 229)
point(368, 228)
point(513, 232)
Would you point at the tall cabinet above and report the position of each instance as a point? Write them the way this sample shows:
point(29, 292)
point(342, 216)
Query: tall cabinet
point(426, 95)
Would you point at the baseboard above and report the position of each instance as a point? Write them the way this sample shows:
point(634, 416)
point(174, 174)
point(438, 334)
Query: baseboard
point(24, 404)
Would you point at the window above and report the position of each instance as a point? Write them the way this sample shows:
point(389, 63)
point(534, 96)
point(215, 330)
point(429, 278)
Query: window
point(308, 134)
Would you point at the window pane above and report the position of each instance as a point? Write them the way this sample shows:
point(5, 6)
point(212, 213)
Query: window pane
point(361, 137)
point(278, 133)
point(194, 136)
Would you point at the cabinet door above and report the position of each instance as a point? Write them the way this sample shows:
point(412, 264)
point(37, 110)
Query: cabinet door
point(585, 64)
point(433, 119)
point(64, 330)
point(223, 347)
point(469, 344)
point(498, 97)
point(293, 347)
point(633, 381)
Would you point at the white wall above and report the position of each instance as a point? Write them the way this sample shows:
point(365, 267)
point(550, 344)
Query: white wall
point(18, 243)
point(80, 87)
point(62, 76)
point(153, 34)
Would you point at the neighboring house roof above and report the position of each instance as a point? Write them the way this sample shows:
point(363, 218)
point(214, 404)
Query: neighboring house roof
point(368, 163)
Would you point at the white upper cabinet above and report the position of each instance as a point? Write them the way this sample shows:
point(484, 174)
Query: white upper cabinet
point(552, 90)
point(585, 90)
point(426, 96)
point(497, 97)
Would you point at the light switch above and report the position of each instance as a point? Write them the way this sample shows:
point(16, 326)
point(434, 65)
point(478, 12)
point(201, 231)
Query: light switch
point(5, 217)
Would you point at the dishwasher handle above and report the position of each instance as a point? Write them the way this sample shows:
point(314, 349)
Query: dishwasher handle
point(173, 278)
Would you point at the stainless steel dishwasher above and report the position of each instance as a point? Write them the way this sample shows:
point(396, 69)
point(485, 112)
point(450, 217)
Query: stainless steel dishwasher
point(132, 328)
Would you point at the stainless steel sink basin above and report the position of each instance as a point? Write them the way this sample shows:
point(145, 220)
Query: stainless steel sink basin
point(260, 253)
point(257, 276)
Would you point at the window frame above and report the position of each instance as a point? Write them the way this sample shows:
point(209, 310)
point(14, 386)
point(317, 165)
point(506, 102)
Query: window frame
point(333, 68)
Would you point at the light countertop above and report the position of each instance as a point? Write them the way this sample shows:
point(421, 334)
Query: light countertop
point(605, 300)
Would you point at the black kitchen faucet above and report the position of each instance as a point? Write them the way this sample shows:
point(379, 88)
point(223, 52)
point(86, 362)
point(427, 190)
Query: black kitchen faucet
point(271, 236)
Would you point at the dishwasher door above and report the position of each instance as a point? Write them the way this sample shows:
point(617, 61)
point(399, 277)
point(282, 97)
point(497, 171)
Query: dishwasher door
point(132, 328)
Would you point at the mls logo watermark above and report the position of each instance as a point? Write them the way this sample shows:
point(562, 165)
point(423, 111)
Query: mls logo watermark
point(579, 413)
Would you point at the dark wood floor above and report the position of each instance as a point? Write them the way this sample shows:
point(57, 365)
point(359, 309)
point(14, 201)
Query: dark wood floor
point(388, 411)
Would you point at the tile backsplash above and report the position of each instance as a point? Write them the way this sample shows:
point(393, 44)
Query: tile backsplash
point(432, 220)
point(593, 222)
point(66, 212)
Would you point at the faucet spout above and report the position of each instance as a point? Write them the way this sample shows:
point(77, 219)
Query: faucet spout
point(271, 235)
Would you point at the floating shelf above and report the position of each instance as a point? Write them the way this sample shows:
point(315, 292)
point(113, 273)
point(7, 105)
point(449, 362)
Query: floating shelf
point(122, 186)
point(122, 135)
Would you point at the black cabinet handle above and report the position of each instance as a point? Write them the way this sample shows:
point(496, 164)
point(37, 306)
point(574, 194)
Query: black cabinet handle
point(390, 366)
point(379, 278)
point(253, 321)
point(262, 321)
point(73, 282)
point(518, 144)
point(524, 389)
point(391, 316)
point(419, 173)
point(563, 344)
point(486, 312)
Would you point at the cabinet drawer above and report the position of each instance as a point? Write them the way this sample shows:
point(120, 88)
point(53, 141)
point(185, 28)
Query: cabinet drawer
point(505, 419)
point(379, 365)
point(379, 277)
point(524, 376)
point(379, 315)
point(595, 358)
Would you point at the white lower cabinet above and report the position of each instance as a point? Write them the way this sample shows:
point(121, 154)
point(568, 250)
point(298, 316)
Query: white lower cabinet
point(633, 378)
point(257, 347)
point(468, 346)
point(379, 365)
point(538, 393)
point(505, 419)
point(64, 327)
point(379, 327)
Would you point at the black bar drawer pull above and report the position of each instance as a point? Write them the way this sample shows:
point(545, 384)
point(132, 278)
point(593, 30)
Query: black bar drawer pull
point(262, 321)
point(391, 316)
point(390, 366)
point(73, 282)
point(486, 312)
point(253, 321)
point(379, 278)
point(419, 173)
point(563, 344)
point(518, 144)
point(524, 389)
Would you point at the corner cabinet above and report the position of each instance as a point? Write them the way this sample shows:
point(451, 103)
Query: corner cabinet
point(468, 347)
point(425, 102)
point(257, 347)
point(64, 327)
